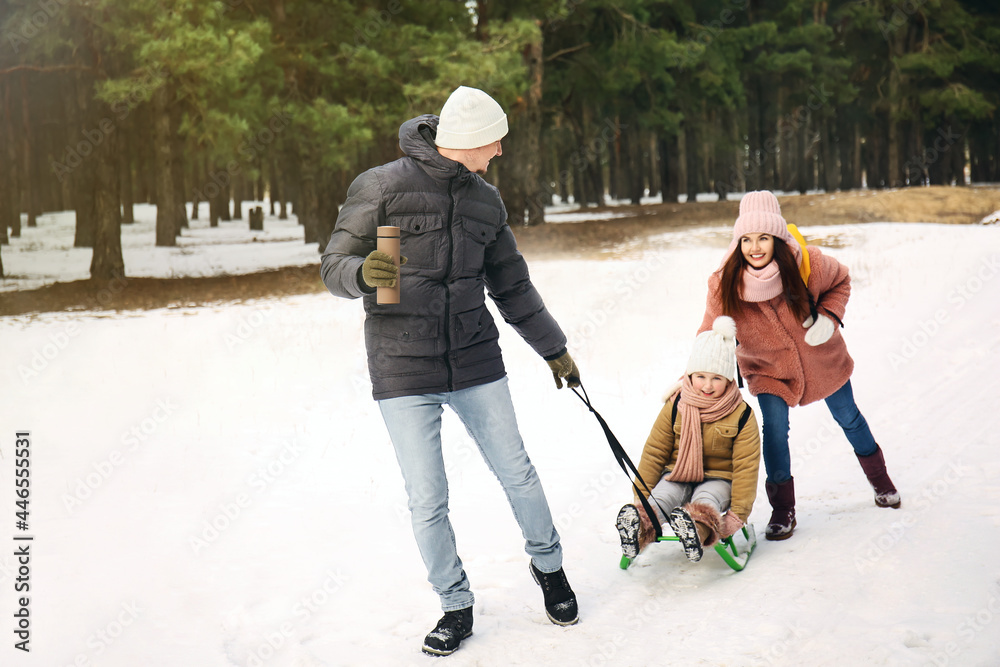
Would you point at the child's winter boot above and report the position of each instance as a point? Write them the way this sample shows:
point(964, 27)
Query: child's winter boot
point(686, 531)
point(707, 522)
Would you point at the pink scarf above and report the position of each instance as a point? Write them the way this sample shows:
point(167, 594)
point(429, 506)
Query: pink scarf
point(694, 411)
point(761, 284)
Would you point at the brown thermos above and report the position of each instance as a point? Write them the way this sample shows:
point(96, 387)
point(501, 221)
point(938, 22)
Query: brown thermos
point(388, 242)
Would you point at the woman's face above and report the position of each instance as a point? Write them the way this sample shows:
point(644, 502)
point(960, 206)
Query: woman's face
point(709, 385)
point(758, 249)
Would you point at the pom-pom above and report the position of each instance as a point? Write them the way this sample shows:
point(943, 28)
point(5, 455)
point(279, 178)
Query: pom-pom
point(724, 326)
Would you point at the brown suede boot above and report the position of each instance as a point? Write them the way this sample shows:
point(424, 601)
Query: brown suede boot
point(782, 499)
point(707, 522)
point(886, 494)
point(646, 531)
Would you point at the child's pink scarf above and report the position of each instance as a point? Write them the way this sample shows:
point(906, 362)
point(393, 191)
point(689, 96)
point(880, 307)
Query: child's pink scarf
point(694, 410)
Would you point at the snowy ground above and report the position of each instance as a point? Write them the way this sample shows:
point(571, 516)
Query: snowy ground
point(214, 486)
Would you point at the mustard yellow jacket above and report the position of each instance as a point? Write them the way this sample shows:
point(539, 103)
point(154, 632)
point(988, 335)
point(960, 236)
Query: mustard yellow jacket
point(727, 455)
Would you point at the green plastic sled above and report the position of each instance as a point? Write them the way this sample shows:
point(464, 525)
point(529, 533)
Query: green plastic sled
point(736, 552)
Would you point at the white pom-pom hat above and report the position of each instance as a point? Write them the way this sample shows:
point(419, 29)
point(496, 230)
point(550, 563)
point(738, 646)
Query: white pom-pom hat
point(470, 119)
point(715, 350)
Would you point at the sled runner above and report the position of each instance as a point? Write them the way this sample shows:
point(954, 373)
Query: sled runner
point(735, 550)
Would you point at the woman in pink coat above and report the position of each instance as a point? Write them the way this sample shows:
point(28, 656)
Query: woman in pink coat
point(790, 350)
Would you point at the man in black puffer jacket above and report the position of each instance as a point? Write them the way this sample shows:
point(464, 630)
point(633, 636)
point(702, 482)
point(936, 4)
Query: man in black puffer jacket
point(439, 345)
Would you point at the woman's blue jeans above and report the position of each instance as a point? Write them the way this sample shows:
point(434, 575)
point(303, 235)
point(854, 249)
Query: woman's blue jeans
point(774, 412)
point(414, 424)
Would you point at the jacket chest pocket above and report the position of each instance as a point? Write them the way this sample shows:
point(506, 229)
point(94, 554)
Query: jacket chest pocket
point(720, 440)
point(476, 235)
point(420, 239)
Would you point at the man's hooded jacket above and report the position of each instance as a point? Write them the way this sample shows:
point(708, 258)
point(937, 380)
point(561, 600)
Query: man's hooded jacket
point(455, 237)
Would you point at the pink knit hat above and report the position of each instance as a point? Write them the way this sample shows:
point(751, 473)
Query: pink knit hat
point(760, 213)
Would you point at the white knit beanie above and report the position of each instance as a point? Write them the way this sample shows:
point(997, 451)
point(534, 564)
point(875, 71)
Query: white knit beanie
point(470, 119)
point(715, 351)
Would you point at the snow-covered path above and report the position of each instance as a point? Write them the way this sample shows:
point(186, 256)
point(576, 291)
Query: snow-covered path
point(215, 487)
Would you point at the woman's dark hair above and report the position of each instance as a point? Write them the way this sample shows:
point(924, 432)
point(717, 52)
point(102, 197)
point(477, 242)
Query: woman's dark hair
point(793, 288)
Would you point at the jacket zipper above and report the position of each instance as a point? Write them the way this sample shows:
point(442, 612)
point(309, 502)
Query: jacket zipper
point(447, 291)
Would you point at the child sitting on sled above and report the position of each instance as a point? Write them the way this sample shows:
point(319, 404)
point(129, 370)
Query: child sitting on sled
point(702, 455)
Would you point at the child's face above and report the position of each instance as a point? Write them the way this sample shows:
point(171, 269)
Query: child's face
point(709, 385)
point(757, 248)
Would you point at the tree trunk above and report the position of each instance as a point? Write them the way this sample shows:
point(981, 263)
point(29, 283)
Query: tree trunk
point(801, 163)
point(326, 214)
point(107, 263)
point(82, 172)
point(177, 166)
point(670, 159)
point(308, 206)
point(273, 184)
point(893, 170)
point(636, 185)
point(691, 161)
point(125, 173)
point(166, 203)
point(9, 215)
point(238, 188)
point(196, 180)
point(27, 185)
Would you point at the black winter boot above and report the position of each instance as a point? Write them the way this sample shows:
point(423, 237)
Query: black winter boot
point(782, 499)
point(449, 632)
point(560, 600)
point(886, 494)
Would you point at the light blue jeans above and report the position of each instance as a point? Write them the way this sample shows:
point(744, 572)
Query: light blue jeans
point(414, 424)
point(774, 443)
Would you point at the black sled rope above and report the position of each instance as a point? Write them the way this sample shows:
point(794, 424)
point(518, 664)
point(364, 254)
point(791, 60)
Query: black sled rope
point(624, 461)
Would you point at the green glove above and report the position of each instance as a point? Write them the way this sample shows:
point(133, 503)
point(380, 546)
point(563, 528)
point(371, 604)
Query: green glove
point(379, 271)
point(565, 367)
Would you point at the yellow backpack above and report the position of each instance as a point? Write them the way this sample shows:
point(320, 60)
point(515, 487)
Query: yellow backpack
point(804, 266)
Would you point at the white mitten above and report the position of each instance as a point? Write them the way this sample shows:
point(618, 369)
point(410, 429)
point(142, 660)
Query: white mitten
point(808, 323)
point(820, 331)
